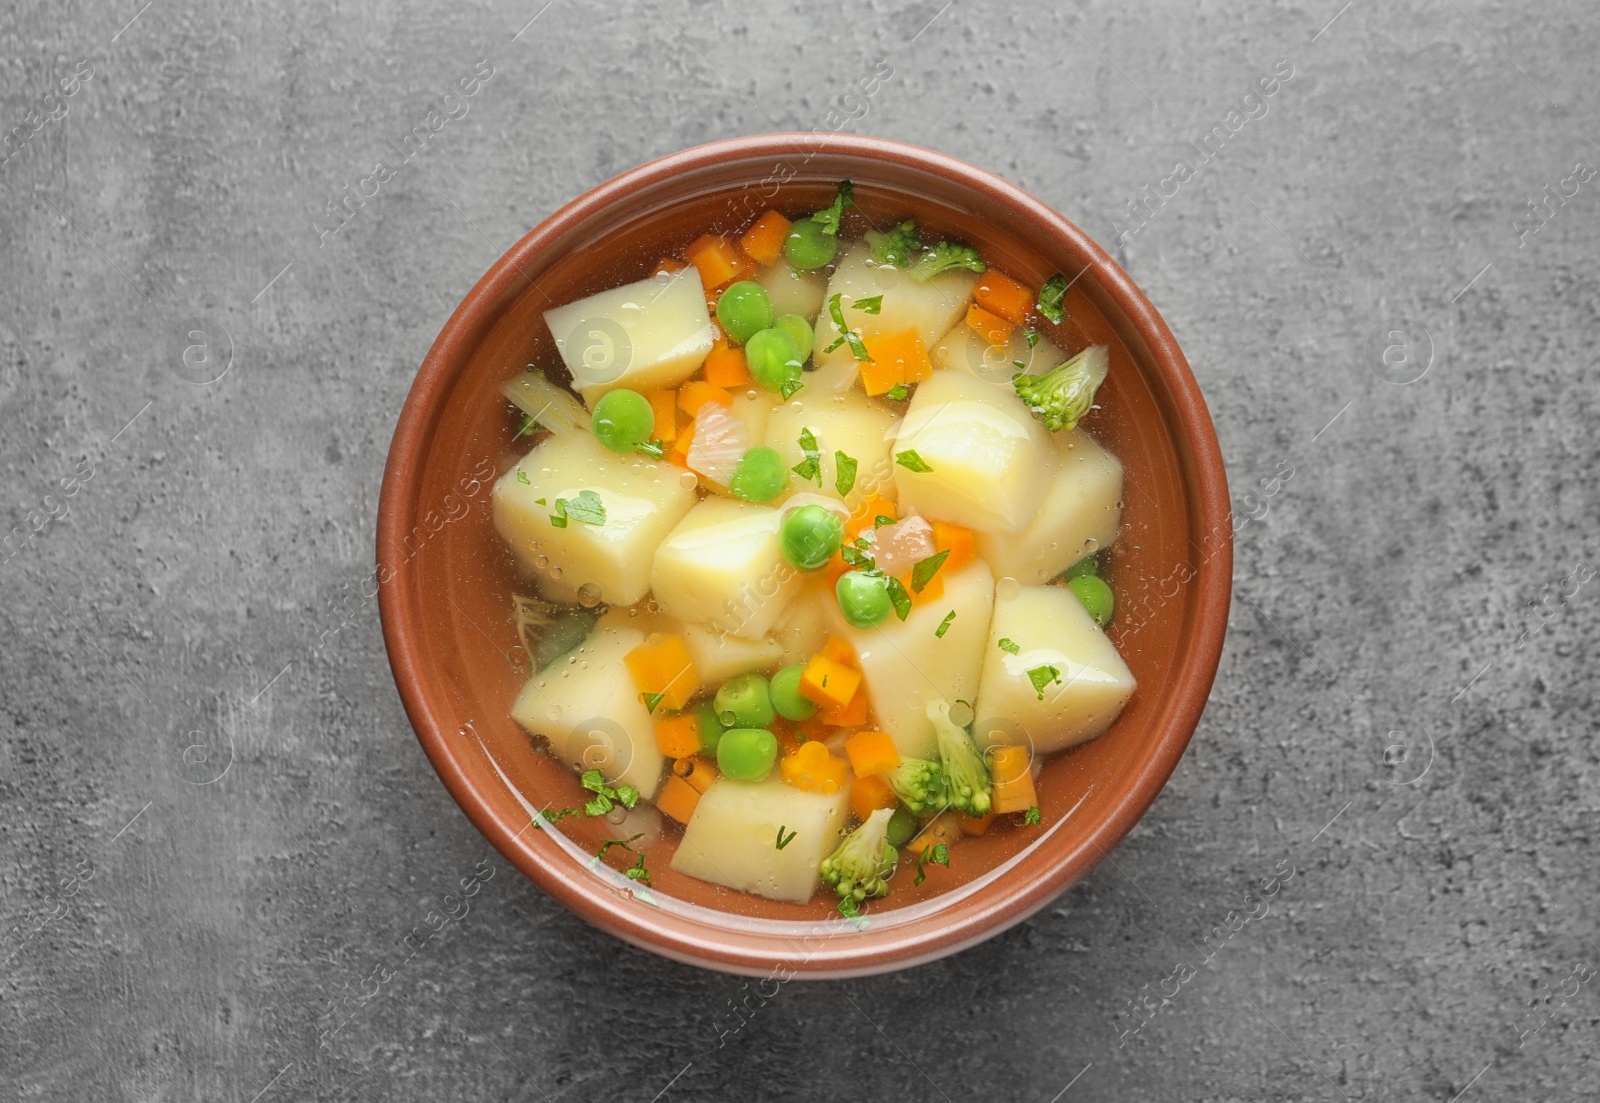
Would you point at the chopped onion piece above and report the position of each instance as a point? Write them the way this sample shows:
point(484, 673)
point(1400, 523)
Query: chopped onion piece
point(720, 441)
point(548, 405)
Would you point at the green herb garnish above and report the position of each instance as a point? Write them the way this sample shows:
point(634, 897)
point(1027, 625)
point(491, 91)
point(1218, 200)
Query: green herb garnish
point(1042, 676)
point(911, 461)
point(783, 842)
point(873, 305)
point(858, 348)
point(587, 507)
point(637, 872)
point(944, 625)
point(1031, 336)
point(810, 468)
point(625, 844)
point(606, 797)
point(1050, 296)
point(829, 216)
point(898, 597)
point(923, 572)
point(655, 449)
point(652, 701)
point(844, 473)
point(938, 854)
point(555, 817)
point(522, 477)
point(898, 392)
point(1010, 645)
point(527, 426)
point(789, 386)
point(1031, 816)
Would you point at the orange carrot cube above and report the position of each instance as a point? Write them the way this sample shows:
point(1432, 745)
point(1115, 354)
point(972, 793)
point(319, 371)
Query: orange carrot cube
point(677, 799)
point(999, 294)
point(725, 366)
point(718, 260)
point(1013, 779)
point(663, 671)
point(852, 715)
point(695, 394)
point(868, 794)
point(976, 825)
point(812, 769)
point(678, 736)
point(764, 240)
point(991, 327)
point(866, 515)
point(840, 651)
point(664, 404)
point(958, 542)
point(871, 753)
point(828, 681)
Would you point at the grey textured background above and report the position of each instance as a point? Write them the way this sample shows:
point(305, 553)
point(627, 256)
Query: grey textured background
point(1425, 569)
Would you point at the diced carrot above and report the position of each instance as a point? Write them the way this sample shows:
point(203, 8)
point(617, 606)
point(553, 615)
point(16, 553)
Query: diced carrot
point(958, 542)
point(695, 394)
point(812, 769)
point(678, 736)
point(664, 404)
point(852, 715)
point(764, 240)
point(828, 681)
point(999, 294)
point(866, 514)
point(701, 774)
point(677, 799)
point(835, 569)
point(664, 667)
point(943, 828)
point(880, 374)
point(904, 350)
point(718, 260)
point(976, 825)
point(813, 727)
point(668, 265)
point(679, 454)
point(725, 366)
point(871, 752)
point(1013, 780)
point(788, 739)
point(868, 794)
point(840, 651)
point(991, 327)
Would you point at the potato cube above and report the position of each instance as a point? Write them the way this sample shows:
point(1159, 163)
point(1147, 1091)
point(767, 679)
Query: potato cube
point(731, 838)
point(904, 665)
point(841, 423)
point(989, 461)
point(930, 308)
point(793, 292)
point(586, 705)
point(644, 336)
point(1080, 514)
point(720, 656)
point(643, 500)
point(964, 350)
point(722, 567)
point(1051, 629)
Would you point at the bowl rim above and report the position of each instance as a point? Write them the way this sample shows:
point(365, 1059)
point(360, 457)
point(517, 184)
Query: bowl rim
point(862, 953)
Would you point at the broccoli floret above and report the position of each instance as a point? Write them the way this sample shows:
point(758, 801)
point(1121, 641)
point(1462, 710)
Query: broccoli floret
point(943, 257)
point(898, 246)
point(966, 778)
point(860, 868)
point(1060, 397)
point(918, 784)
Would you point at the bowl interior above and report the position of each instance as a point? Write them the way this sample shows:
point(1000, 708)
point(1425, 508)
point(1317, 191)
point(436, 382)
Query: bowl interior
point(448, 578)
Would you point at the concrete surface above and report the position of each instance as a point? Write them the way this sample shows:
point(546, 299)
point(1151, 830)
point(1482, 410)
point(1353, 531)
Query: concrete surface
point(1418, 560)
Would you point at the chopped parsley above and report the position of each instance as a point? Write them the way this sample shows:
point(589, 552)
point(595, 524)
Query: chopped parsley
point(1050, 296)
point(844, 473)
point(898, 246)
point(810, 468)
point(1031, 817)
point(880, 520)
point(898, 597)
point(625, 844)
point(637, 872)
point(605, 796)
point(829, 216)
point(652, 701)
point(911, 461)
point(855, 554)
point(944, 625)
point(1041, 677)
point(539, 501)
point(898, 393)
point(522, 477)
point(858, 348)
point(938, 854)
point(923, 572)
point(783, 842)
point(1031, 336)
point(874, 305)
point(1010, 645)
point(554, 817)
point(789, 386)
point(655, 449)
point(586, 507)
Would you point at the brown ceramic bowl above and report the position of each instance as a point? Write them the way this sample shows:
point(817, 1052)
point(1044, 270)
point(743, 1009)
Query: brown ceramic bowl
point(446, 578)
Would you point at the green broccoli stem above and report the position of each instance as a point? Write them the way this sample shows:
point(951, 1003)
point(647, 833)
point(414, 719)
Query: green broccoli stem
point(1062, 396)
point(966, 779)
point(861, 866)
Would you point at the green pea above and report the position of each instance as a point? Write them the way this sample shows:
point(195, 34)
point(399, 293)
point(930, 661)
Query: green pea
point(743, 310)
point(1088, 565)
point(807, 246)
point(863, 599)
point(1096, 597)
point(747, 754)
point(773, 359)
point(799, 331)
point(761, 476)
point(710, 726)
point(902, 827)
point(786, 696)
point(809, 536)
point(623, 420)
point(745, 702)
